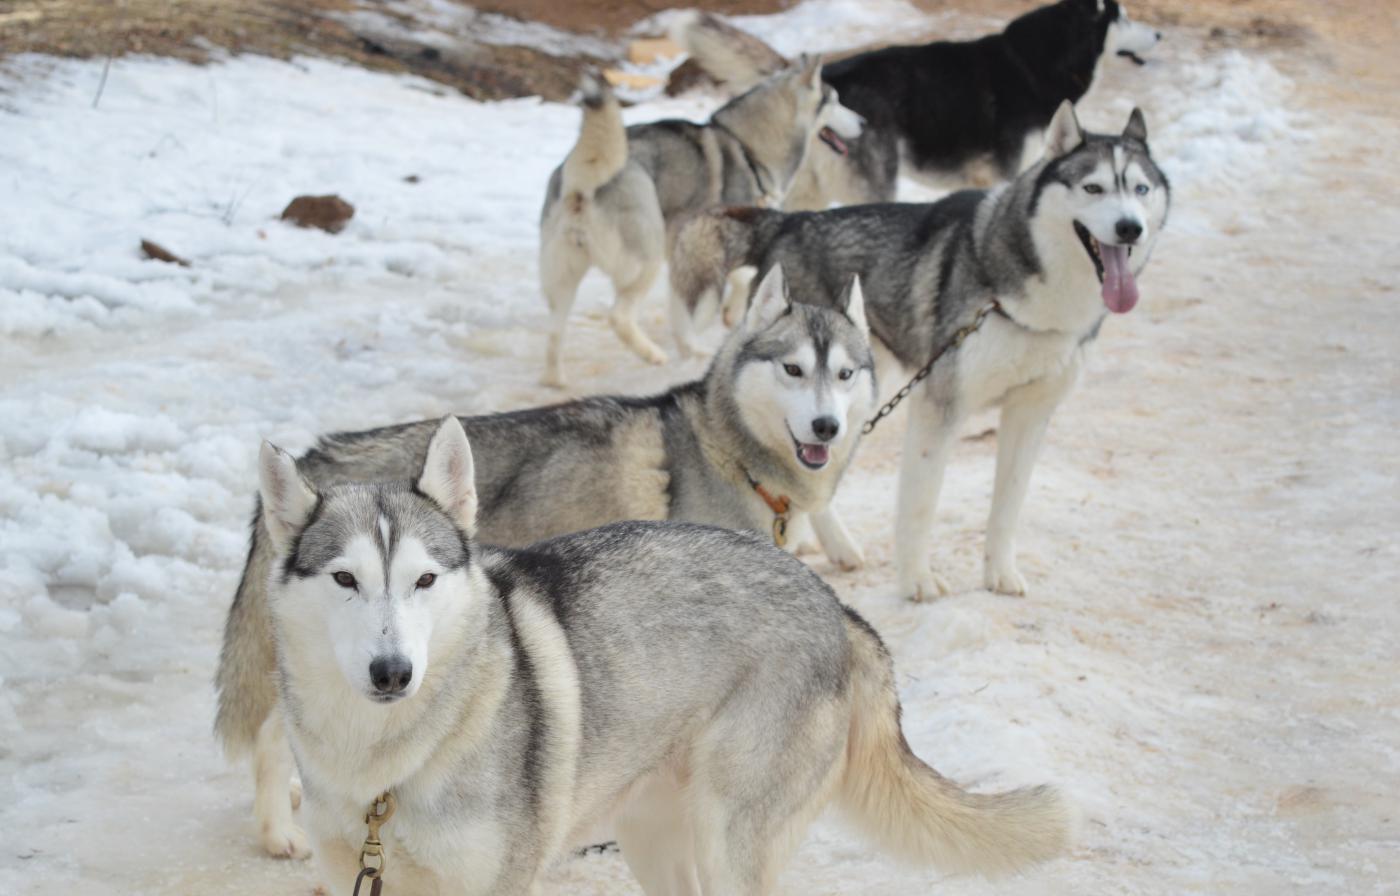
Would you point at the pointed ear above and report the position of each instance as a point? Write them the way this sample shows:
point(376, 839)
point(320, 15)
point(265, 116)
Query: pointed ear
point(1064, 133)
point(769, 301)
point(855, 305)
point(1137, 127)
point(810, 65)
point(286, 498)
point(449, 476)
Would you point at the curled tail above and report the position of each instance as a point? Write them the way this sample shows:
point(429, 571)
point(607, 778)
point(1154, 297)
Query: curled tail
point(705, 249)
point(601, 150)
point(916, 813)
point(724, 52)
point(247, 692)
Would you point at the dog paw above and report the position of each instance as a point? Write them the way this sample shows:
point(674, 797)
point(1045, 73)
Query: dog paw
point(295, 793)
point(847, 558)
point(286, 841)
point(927, 587)
point(1003, 578)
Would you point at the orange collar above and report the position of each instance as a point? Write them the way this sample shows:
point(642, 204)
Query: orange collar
point(780, 505)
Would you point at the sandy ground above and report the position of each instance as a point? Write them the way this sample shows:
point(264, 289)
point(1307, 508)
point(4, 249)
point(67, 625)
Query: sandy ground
point(1207, 661)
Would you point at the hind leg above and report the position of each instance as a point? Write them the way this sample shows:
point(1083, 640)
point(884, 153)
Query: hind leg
point(562, 266)
point(273, 801)
point(655, 837)
point(737, 294)
point(624, 313)
point(757, 784)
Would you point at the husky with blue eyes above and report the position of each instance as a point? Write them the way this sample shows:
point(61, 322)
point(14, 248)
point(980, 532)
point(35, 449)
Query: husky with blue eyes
point(695, 689)
point(1045, 259)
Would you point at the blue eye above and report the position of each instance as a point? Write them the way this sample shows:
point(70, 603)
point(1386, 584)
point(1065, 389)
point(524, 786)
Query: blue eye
point(1141, 189)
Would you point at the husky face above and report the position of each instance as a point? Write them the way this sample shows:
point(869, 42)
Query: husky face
point(1126, 37)
point(1114, 196)
point(838, 124)
point(369, 571)
point(806, 377)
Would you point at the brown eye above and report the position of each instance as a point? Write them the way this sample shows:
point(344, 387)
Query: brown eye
point(845, 373)
point(426, 580)
point(344, 579)
point(792, 370)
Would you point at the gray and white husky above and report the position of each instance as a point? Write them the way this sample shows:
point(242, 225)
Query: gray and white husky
point(697, 689)
point(776, 418)
point(1058, 248)
point(614, 201)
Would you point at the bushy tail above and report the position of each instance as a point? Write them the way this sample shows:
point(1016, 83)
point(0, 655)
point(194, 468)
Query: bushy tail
point(601, 150)
point(706, 248)
point(725, 53)
point(245, 679)
point(915, 812)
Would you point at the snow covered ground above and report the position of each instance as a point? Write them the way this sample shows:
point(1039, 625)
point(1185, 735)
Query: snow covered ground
point(1207, 662)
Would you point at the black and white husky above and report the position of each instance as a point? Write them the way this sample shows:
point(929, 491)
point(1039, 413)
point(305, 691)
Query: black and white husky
point(961, 110)
point(1057, 249)
point(696, 687)
point(775, 420)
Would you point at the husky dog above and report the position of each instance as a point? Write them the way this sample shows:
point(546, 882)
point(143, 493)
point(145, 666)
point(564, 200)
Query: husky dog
point(695, 686)
point(967, 110)
point(614, 201)
point(776, 419)
point(1057, 248)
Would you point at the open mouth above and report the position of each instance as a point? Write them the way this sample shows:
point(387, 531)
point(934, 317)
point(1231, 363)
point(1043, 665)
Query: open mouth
point(1118, 286)
point(811, 455)
point(833, 139)
point(1129, 54)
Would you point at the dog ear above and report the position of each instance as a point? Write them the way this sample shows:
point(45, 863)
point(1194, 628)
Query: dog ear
point(810, 65)
point(449, 476)
point(854, 306)
point(1064, 133)
point(769, 302)
point(1137, 127)
point(286, 498)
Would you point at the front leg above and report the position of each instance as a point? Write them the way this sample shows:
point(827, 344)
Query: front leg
point(836, 542)
point(1024, 417)
point(928, 440)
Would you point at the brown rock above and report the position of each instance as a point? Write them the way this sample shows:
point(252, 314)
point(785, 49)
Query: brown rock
point(160, 253)
point(328, 213)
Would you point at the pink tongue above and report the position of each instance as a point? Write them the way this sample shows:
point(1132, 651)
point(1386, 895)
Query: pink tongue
point(1120, 292)
point(815, 455)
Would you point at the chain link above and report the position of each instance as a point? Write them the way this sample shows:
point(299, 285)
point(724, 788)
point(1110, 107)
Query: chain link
point(888, 407)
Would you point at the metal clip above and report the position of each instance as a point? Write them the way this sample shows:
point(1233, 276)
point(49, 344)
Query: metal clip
point(380, 811)
point(780, 523)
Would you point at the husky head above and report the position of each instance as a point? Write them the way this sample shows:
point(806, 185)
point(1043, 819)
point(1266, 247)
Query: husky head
point(777, 119)
point(369, 571)
point(1071, 37)
point(1107, 189)
point(803, 376)
point(1126, 37)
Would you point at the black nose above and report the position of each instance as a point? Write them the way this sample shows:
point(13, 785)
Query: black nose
point(826, 428)
point(1128, 230)
point(390, 674)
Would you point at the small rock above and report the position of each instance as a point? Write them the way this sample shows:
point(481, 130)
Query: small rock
point(160, 253)
point(328, 213)
point(412, 179)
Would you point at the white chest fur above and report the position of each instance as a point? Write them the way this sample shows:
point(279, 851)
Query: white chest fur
point(1003, 356)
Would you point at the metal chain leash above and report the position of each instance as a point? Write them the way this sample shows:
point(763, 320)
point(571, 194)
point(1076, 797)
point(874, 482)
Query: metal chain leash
point(888, 407)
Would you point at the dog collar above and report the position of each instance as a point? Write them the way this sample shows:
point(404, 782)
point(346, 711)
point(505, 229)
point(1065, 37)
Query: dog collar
point(780, 505)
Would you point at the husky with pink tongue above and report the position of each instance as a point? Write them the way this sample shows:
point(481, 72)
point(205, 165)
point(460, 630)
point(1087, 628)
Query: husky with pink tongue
point(1053, 253)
